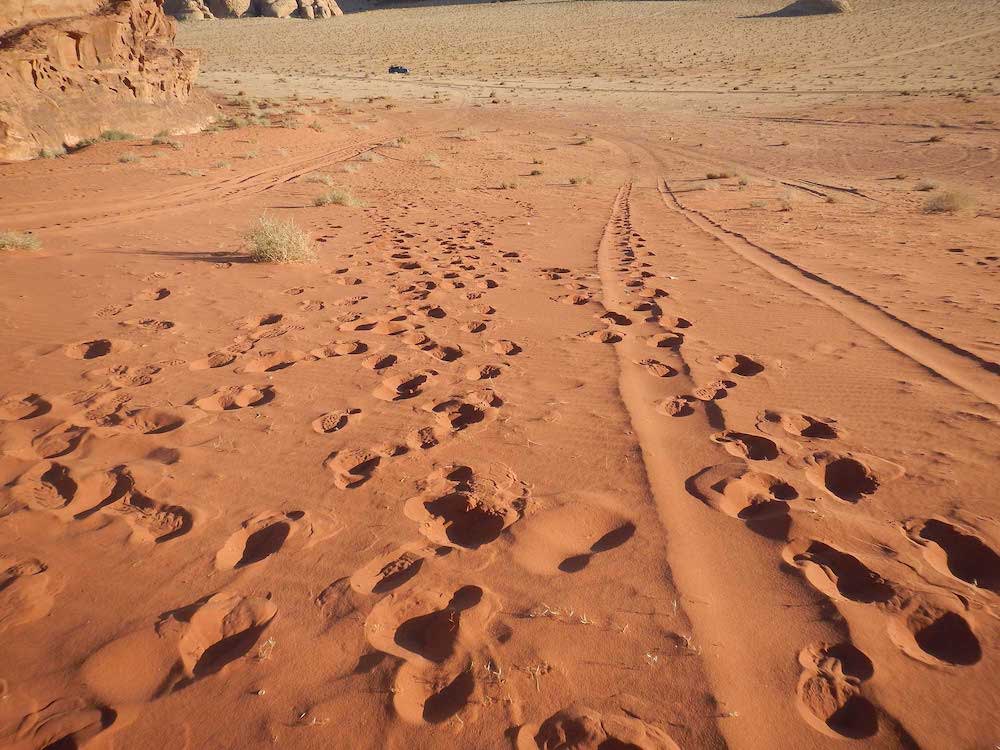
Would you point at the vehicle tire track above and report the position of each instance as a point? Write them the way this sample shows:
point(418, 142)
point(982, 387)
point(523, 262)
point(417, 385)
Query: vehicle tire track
point(959, 366)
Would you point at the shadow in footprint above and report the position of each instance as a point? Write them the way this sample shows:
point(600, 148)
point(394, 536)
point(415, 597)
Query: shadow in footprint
point(968, 558)
point(433, 635)
point(264, 543)
point(443, 705)
point(611, 540)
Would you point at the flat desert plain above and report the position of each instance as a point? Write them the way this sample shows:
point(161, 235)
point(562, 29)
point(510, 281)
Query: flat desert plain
point(642, 392)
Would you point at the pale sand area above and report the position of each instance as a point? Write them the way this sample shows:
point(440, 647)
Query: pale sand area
point(653, 414)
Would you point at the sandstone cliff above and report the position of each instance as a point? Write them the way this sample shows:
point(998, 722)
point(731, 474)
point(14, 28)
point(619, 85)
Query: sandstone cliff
point(64, 78)
point(198, 10)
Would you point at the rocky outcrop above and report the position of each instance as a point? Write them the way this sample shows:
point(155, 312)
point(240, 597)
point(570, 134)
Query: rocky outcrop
point(814, 8)
point(200, 10)
point(64, 79)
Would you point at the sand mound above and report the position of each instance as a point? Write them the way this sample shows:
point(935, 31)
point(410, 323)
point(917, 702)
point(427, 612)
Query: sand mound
point(814, 8)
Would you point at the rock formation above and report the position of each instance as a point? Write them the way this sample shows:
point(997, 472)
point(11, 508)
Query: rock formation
point(199, 10)
point(814, 8)
point(64, 78)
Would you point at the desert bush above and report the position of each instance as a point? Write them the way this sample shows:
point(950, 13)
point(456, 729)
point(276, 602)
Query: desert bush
point(320, 179)
point(18, 241)
point(534, 173)
point(579, 180)
point(163, 141)
point(432, 160)
point(275, 241)
point(925, 186)
point(128, 159)
point(337, 196)
point(369, 156)
point(718, 175)
point(948, 202)
point(116, 135)
point(52, 153)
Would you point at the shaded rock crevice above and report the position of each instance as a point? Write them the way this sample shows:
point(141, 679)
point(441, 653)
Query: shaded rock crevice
point(68, 78)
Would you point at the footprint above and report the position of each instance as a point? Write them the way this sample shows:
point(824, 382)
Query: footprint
point(378, 362)
point(738, 364)
point(956, 551)
point(744, 445)
point(669, 340)
point(829, 691)
point(222, 630)
point(456, 413)
point(45, 486)
point(258, 538)
point(460, 507)
point(505, 346)
point(656, 368)
point(934, 633)
point(26, 593)
point(333, 421)
point(153, 294)
point(600, 336)
point(151, 520)
point(58, 441)
point(352, 467)
point(391, 570)
point(272, 361)
point(424, 623)
point(213, 360)
point(401, 387)
point(850, 477)
point(837, 574)
point(96, 348)
point(676, 406)
point(614, 538)
point(759, 499)
point(64, 724)
point(236, 397)
point(717, 389)
point(19, 406)
point(483, 372)
point(153, 421)
point(340, 349)
point(434, 695)
point(797, 425)
point(584, 728)
point(124, 376)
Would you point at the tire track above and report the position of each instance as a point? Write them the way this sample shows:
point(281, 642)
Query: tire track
point(959, 366)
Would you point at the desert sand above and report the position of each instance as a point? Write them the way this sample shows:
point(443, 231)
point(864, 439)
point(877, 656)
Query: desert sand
point(643, 391)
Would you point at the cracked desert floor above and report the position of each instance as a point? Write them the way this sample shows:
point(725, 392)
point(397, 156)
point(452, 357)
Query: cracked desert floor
point(643, 393)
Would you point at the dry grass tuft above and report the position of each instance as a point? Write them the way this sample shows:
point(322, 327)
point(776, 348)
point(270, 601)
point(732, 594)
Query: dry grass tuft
point(276, 241)
point(948, 202)
point(18, 241)
point(336, 196)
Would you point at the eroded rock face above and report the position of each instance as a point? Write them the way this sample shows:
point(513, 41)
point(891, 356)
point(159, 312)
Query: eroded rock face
point(199, 10)
point(70, 78)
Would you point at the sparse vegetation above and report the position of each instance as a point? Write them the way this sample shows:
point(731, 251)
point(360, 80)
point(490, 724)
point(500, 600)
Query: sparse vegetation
point(192, 173)
point(52, 153)
point(925, 186)
point(948, 202)
point(116, 135)
point(128, 159)
point(18, 241)
point(221, 165)
point(579, 180)
point(337, 196)
point(718, 175)
point(162, 141)
point(534, 173)
point(275, 241)
point(369, 156)
point(508, 185)
point(320, 179)
point(432, 160)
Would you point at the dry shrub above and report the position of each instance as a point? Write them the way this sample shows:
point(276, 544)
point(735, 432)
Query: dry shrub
point(276, 241)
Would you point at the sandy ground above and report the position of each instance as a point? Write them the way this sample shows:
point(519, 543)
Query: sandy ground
point(653, 414)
